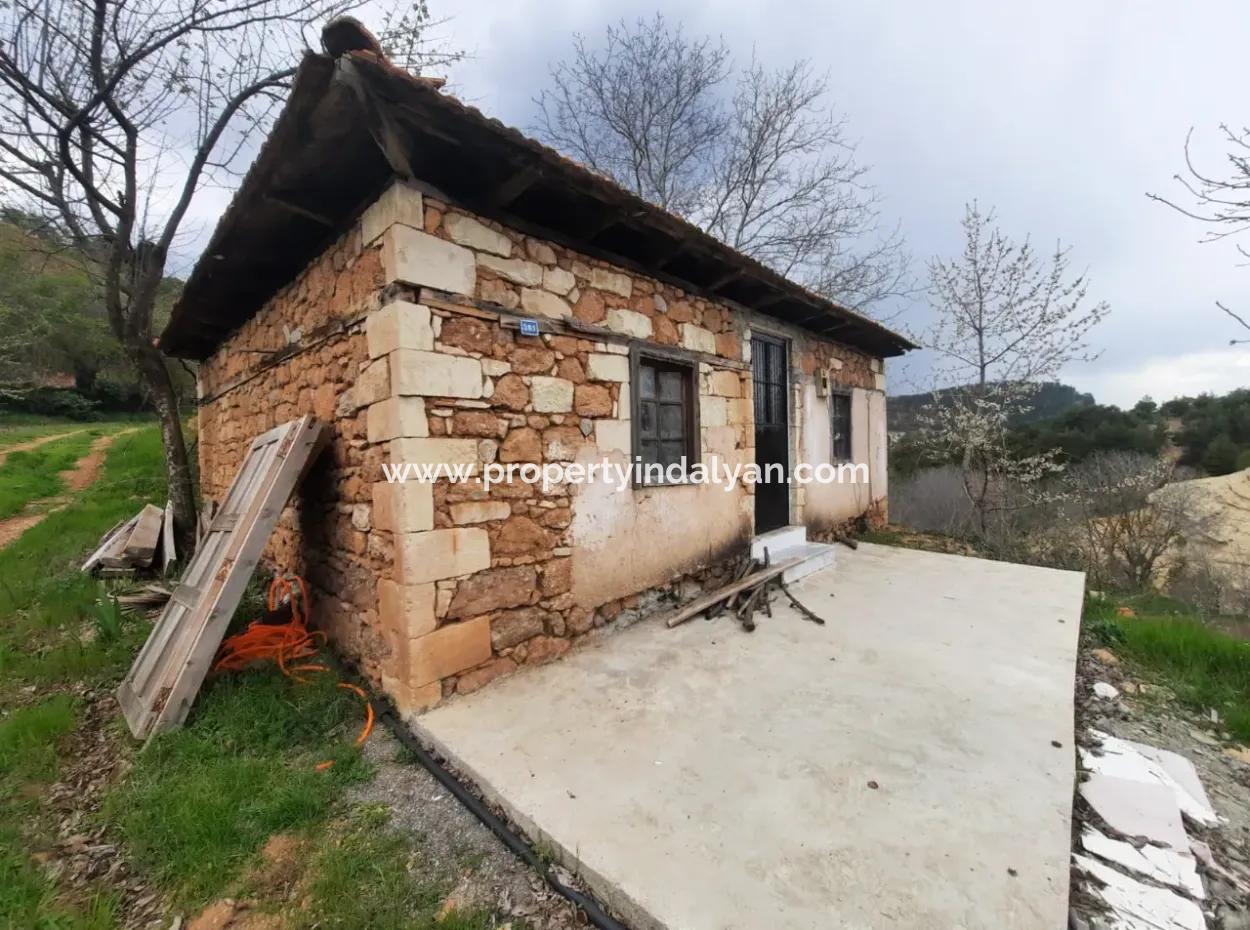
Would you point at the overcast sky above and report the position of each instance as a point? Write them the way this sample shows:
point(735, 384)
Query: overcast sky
point(1059, 115)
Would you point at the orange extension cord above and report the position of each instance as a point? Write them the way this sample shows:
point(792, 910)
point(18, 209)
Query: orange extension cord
point(286, 643)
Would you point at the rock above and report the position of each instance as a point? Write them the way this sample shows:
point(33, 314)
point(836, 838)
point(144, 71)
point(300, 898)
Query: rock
point(468, 334)
point(511, 392)
point(530, 360)
point(1239, 753)
point(551, 395)
point(1105, 691)
point(521, 445)
point(493, 589)
point(521, 536)
point(478, 423)
point(482, 675)
point(557, 576)
point(589, 307)
point(1106, 656)
point(593, 400)
point(1125, 612)
point(1205, 738)
point(512, 627)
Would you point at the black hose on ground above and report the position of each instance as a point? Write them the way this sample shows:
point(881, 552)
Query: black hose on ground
point(515, 843)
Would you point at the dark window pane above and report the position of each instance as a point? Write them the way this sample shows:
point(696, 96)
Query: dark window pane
point(671, 385)
point(672, 421)
point(646, 380)
point(672, 451)
point(662, 412)
point(646, 419)
point(840, 414)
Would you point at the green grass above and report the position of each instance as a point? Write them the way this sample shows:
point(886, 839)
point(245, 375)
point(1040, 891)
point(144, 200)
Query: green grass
point(1206, 668)
point(44, 596)
point(19, 428)
point(28, 737)
point(197, 805)
point(28, 899)
point(35, 474)
point(200, 802)
point(371, 877)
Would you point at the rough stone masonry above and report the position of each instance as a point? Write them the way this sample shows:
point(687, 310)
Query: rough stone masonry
point(404, 336)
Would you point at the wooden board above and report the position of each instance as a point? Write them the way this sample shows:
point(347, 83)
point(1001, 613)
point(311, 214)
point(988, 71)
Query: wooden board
point(169, 551)
point(696, 607)
point(114, 539)
point(166, 676)
point(145, 537)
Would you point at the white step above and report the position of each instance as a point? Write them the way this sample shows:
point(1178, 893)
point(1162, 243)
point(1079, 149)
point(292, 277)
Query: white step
point(791, 542)
point(816, 556)
point(786, 537)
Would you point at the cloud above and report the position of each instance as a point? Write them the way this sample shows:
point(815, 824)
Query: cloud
point(1061, 115)
point(1163, 377)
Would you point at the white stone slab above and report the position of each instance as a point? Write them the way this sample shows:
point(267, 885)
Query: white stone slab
point(1163, 865)
point(1125, 759)
point(1137, 808)
point(1137, 906)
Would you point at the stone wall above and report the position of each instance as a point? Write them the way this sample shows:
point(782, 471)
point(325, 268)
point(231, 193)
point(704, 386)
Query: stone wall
point(304, 352)
point(406, 335)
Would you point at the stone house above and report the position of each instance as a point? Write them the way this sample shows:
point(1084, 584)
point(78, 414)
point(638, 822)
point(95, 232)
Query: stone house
point(442, 289)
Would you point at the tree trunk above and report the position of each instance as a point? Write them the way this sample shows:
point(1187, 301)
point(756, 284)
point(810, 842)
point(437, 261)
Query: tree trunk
point(156, 378)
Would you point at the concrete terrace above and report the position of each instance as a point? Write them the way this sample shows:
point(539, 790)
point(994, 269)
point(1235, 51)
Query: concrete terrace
point(892, 768)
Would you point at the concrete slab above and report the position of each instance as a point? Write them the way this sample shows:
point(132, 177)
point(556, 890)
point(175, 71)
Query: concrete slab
point(893, 768)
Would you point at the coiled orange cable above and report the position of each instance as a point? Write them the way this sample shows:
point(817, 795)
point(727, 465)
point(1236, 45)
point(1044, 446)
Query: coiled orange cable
point(285, 644)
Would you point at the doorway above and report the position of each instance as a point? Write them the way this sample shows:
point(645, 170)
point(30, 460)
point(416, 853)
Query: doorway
point(770, 375)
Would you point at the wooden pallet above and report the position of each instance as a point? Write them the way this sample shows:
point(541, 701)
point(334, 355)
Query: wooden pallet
point(168, 672)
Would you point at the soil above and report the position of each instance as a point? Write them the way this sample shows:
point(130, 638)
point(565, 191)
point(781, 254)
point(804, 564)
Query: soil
point(77, 480)
point(1149, 713)
point(82, 858)
point(454, 842)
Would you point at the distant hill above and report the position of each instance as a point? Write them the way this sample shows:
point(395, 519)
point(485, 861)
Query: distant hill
point(1050, 400)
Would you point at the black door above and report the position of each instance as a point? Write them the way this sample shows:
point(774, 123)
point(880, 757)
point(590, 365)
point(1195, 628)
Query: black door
point(772, 494)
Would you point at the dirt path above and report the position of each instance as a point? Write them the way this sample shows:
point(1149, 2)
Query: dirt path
point(77, 479)
point(36, 443)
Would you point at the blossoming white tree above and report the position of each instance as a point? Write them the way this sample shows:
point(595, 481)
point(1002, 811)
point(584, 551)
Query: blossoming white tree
point(1007, 318)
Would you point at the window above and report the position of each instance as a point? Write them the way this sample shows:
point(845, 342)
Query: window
point(840, 426)
point(664, 412)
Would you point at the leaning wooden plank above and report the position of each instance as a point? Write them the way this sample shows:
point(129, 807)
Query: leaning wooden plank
point(162, 684)
point(115, 555)
point(168, 550)
point(205, 519)
point(697, 606)
point(112, 538)
point(144, 538)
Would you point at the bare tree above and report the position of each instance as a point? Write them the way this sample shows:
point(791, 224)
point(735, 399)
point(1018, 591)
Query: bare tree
point(753, 156)
point(1222, 201)
point(113, 115)
point(1132, 519)
point(1006, 319)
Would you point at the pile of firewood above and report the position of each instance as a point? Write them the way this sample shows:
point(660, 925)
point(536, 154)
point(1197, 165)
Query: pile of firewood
point(754, 585)
point(144, 543)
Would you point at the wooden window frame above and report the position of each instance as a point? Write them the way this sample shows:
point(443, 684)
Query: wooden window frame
point(690, 369)
point(834, 455)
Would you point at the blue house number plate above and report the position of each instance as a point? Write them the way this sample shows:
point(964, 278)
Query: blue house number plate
point(529, 327)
